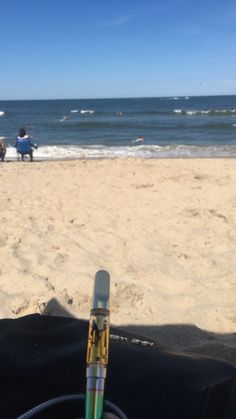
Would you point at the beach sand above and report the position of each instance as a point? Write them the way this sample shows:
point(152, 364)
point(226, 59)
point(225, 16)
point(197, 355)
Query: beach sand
point(164, 229)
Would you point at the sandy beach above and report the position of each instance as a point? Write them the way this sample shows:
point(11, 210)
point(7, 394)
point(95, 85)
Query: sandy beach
point(164, 229)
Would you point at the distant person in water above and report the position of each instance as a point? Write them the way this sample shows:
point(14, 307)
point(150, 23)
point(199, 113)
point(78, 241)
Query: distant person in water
point(2, 150)
point(138, 140)
point(23, 145)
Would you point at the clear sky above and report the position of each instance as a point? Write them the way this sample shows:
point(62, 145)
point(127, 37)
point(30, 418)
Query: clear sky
point(116, 48)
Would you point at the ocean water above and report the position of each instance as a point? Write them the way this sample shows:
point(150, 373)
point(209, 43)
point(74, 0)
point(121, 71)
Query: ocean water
point(170, 127)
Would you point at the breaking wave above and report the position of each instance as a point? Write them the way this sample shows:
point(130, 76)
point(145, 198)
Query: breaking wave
point(210, 112)
point(66, 152)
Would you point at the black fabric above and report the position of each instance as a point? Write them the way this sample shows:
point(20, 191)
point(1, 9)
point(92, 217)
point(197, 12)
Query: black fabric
point(44, 357)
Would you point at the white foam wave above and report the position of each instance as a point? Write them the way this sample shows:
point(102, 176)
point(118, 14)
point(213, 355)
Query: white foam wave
point(178, 98)
point(87, 111)
point(204, 112)
point(193, 112)
point(184, 112)
point(177, 110)
point(74, 111)
point(2, 113)
point(48, 153)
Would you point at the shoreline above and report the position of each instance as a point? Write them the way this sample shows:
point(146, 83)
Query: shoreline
point(72, 159)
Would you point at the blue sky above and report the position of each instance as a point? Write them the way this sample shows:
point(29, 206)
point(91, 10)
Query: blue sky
point(106, 48)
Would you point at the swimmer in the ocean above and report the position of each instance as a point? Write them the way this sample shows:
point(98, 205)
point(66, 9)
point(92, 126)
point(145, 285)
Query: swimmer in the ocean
point(138, 140)
point(65, 117)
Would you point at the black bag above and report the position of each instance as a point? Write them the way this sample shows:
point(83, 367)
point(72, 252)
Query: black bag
point(43, 357)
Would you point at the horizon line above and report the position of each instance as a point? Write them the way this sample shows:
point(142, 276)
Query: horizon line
point(118, 98)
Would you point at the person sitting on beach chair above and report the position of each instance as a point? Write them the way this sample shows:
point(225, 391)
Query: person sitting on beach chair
point(23, 145)
point(2, 150)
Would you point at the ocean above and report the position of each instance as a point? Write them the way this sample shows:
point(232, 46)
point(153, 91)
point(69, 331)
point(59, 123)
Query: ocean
point(203, 126)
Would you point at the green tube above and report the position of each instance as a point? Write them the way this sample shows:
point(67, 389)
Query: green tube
point(94, 404)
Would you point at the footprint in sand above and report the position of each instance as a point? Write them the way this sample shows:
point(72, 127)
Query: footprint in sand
point(16, 246)
point(3, 239)
point(45, 281)
point(18, 305)
point(127, 294)
point(218, 214)
point(82, 301)
point(69, 300)
point(60, 259)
